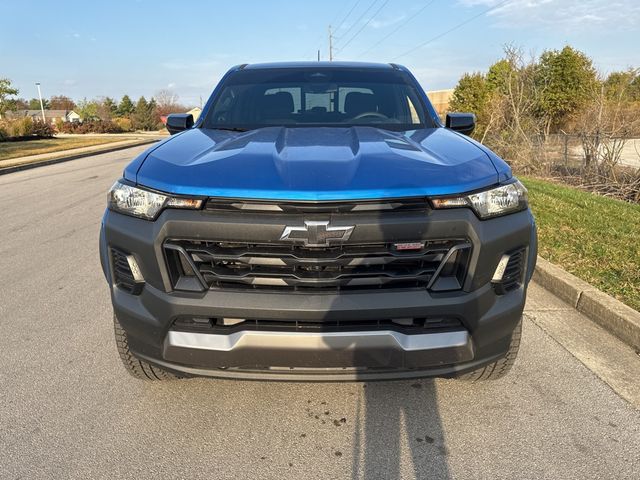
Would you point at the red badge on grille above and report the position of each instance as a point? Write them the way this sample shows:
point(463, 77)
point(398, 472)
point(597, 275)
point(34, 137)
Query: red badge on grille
point(409, 246)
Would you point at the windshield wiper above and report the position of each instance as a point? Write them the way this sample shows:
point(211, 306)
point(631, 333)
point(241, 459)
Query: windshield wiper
point(230, 129)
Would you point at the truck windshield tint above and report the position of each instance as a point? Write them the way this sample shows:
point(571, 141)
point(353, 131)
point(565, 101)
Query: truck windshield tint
point(307, 97)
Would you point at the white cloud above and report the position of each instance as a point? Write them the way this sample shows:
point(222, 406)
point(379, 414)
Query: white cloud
point(386, 22)
point(561, 13)
point(76, 35)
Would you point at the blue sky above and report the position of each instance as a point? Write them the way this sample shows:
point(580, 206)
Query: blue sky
point(92, 49)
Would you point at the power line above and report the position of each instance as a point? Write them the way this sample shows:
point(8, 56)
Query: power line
point(363, 26)
point(337, 15)
point(344, 19)
point(397, 28)
point(333, 21)
point(355, 23)
point(455, 27)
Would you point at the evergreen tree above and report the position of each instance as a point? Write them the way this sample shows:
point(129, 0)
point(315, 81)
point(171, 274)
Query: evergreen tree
point(125, 107)
point(110, 105)
point(145, 116)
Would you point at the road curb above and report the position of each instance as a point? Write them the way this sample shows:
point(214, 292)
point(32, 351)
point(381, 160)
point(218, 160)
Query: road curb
point(611, 314)
point(66, 158)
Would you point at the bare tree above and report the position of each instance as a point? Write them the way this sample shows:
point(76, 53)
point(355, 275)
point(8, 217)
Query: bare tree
point(166, 98)
point(168, 102)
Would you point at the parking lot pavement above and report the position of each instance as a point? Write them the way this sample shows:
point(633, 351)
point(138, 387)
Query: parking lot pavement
point(69, 410)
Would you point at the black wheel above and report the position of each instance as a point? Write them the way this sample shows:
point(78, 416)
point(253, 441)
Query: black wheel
point(137, 368)
point(498, 369)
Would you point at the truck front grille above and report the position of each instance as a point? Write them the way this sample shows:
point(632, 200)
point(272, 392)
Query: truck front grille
point(220, 265)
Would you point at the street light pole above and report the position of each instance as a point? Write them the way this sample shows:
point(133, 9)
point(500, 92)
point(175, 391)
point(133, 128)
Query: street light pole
point(41, 104)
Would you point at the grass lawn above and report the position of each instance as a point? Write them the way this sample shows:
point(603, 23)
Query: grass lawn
point(593, 237)
point(33, 147)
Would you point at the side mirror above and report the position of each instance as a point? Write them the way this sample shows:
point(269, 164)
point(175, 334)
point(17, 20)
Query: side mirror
point(177, 122)
point(461, 122)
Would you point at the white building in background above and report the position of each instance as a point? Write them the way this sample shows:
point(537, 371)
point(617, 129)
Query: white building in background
point(51, 116)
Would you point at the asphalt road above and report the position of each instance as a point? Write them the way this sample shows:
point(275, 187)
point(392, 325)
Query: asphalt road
point(69, 410)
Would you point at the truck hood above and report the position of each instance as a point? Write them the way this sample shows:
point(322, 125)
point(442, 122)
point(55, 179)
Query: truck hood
point(317, 164)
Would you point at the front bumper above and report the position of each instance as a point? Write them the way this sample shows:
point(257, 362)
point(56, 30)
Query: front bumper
point(488, 318)
point(328, 350)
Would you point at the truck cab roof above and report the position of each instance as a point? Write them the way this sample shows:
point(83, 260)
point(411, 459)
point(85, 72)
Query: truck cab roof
point(330, 65)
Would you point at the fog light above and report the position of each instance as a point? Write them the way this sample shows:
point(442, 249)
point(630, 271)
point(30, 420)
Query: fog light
point(126, 272)
point(135, 269)
point(502, 266)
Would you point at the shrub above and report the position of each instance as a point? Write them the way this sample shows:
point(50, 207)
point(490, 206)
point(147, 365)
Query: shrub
point(42, 129)
point(91, 126)
point(24, 127)
point(125, 124)
point(107, 126)
point(21, 127)
point(65, 127)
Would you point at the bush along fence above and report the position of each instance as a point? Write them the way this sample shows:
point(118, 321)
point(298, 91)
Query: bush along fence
point(607, 165)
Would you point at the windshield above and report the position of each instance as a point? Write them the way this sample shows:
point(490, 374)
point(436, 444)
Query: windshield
point(304, 97)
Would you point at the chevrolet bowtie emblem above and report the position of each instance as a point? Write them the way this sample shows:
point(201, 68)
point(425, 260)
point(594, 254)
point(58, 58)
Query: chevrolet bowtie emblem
point(316, 234)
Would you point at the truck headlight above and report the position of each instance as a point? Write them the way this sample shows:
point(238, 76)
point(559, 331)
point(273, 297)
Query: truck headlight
point(501, 200)
point(142, 203)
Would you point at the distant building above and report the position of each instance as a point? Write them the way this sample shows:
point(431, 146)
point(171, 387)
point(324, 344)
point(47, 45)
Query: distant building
point(195, 112)
point(440, 100)
point(73, 117)
point(51, 116)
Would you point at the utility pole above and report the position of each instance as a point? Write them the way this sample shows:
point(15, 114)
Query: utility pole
point(318, 54)
point(330, 45)
point(41, 104)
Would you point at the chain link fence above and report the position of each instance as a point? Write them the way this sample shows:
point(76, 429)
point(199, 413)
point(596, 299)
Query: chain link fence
point(606, 165)
point(576, 151)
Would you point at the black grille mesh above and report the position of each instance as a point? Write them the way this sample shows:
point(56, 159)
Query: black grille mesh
point(407, 326)
point(299, 268)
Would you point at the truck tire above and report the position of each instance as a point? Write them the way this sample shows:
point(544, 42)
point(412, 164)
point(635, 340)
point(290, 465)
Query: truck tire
point(137, 368)
point(500, 368)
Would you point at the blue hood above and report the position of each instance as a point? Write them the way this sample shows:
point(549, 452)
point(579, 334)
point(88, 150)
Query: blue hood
point(316, 164)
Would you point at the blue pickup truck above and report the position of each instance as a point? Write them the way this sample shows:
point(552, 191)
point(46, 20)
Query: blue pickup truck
point(318, 223)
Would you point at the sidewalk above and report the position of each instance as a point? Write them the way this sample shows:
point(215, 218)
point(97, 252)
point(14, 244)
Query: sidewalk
point(19, 163)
